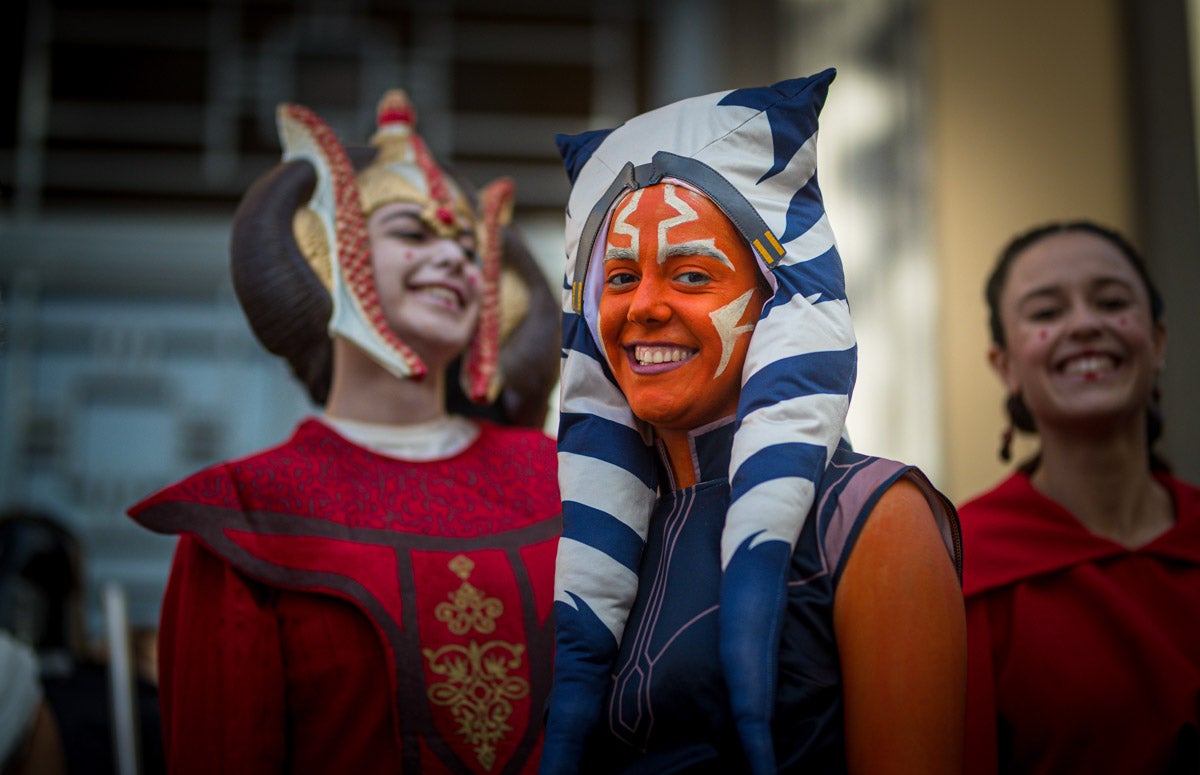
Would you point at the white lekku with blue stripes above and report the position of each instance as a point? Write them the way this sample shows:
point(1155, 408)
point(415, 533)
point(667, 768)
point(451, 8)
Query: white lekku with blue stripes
point(753, 153)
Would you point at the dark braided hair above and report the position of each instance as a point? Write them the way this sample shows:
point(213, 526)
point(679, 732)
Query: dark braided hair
point(1018, 413)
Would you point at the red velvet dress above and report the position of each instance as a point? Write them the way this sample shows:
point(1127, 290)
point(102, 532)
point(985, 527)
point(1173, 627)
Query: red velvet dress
point(331, 609)
point(1084, 655)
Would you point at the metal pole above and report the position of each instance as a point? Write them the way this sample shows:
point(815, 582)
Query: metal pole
point(120, 679)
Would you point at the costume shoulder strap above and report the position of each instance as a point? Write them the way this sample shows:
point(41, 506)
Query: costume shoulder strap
point(852, 485)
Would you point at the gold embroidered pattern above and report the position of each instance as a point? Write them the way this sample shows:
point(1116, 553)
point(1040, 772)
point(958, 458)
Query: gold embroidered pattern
point(468, 607)
point(478, 688)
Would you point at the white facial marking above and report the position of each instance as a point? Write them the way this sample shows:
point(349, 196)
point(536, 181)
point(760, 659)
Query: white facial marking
point(622, 226)
point(725, 321)
point(704, 247)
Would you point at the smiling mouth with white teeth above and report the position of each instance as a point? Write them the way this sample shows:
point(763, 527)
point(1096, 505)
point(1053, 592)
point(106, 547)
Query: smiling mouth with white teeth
point(1089, 364)
point(650, 355)
point(444, 296)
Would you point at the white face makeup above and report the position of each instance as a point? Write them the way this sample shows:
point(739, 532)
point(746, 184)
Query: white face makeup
point(429, 288)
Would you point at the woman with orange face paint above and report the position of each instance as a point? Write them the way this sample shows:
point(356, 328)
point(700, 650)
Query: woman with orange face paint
point(1083, 579)
point(676, 312)
point(719, 361)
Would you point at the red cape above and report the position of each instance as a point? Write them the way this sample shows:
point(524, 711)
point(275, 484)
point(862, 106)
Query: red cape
point(1084, 655)
point(1009, 542)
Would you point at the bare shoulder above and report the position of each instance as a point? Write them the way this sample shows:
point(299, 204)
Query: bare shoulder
point(899, 565)
point(900, 531)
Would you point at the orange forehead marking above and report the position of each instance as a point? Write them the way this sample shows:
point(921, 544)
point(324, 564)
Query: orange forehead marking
point(643, 211)
point(666, 214)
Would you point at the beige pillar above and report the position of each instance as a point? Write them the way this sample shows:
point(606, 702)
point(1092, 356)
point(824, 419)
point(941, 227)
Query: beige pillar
point(1027, 103)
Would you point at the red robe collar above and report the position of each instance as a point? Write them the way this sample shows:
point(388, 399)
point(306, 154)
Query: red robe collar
point(1014, 532)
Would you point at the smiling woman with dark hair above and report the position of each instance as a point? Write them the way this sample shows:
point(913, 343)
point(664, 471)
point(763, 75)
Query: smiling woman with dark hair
point(1083, 567)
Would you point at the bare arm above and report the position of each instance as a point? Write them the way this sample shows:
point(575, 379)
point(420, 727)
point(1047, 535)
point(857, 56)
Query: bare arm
point(901, 632)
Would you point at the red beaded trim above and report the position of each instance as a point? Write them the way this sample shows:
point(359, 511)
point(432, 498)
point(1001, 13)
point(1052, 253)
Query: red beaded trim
point(483, 359)
point(353, 246)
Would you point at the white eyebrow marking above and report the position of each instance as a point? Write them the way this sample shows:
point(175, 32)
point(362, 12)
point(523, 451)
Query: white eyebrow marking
point(701, 247)
point(706, 247)
point(686, 215)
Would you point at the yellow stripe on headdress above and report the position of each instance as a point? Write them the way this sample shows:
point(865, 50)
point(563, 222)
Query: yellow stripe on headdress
point(776, 251)
point(774, 242)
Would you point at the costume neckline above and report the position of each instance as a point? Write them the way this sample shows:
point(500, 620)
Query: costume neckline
point(710, 447)
point(438, 439)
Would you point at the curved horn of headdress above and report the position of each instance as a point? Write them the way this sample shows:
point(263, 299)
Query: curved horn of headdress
point(288, 278)
point(285, 299)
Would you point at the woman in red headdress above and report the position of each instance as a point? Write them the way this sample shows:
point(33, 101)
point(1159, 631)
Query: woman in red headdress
point(373, 594)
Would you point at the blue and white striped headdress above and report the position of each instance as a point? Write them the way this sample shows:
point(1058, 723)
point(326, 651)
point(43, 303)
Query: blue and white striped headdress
point(753, 153)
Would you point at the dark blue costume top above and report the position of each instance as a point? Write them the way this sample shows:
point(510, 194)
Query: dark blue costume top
point(667, 708)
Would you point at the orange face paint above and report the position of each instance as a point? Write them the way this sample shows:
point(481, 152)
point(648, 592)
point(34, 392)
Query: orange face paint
point(680, 296)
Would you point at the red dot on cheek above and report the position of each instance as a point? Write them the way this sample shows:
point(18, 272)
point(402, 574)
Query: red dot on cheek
point(1043, 334)
point(1122, 320)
